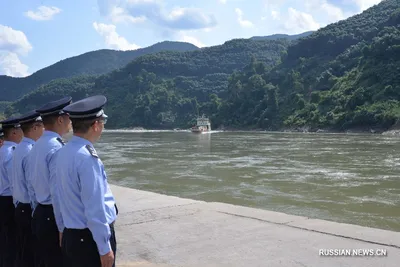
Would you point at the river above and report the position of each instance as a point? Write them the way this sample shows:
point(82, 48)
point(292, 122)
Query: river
point(350, 178)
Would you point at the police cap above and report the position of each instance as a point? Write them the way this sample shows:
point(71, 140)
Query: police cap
point(12, 122)
point(54, 107)
point(87, 108)
point(31, 116)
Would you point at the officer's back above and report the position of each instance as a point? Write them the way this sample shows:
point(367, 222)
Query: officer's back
point(70, 184)
point(47, 221)
point(86, 203)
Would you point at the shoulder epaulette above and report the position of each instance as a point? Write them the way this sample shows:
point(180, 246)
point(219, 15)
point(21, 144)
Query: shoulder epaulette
point(60, 140)
point(92, 151)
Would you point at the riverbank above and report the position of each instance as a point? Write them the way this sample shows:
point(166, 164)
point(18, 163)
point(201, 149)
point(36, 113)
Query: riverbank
point(159, 230)
point(283, 130)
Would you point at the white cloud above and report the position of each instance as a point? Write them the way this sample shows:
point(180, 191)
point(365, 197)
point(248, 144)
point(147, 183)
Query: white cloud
point(118, 15)
point(13, 40)
point(365, 4)
point(222, 1)
point(323, 9)
point(112, 38)
point(154, 11)
point(191, 39)
point(11, 65)
point(275, 14)
point(12, 44)
point(334, 13)
point(43, 13)
point(185, 18)
point(298, 22)
point(323, 12)
point(207, 29)
point(244, 23)
point(274, 4)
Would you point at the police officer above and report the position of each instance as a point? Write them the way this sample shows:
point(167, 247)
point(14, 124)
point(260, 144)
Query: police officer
point(46, 221)
point(12, 136)
point(32, 127)
point(1, 137)
point(87, 205)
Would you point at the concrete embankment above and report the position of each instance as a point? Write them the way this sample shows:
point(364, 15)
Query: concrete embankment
point(159, 230)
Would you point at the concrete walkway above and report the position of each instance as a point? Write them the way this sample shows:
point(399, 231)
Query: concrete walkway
point(159, 230)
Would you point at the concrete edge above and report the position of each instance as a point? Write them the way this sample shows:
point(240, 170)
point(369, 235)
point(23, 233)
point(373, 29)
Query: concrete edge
point(140, 264)
point(343, 230)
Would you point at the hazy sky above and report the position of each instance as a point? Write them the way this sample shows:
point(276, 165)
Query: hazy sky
point(38, 33)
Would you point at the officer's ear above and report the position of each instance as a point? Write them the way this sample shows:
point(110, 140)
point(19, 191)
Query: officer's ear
point(38, 126)
point(96, 126)
point(60, 120)
point(15, 131)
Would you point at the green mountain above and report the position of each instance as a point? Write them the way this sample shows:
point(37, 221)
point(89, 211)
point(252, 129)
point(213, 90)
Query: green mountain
point(343, 76)
point(161, 89)
point(91, 63)
point(282, 36)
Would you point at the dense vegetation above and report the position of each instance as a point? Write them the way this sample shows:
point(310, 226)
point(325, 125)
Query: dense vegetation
point(77, 87)
point(91, 63)
point(282, 36)
point(343, 76)
point(165, 89)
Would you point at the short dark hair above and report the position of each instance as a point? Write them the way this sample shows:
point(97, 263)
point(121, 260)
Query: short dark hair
point(8, 131)
point(26, 127)
point(50, 120)
point(82, 126)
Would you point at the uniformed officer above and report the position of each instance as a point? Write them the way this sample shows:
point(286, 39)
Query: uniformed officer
point(32, 127)
point(12, 136)
point(46, 221)
point(87, 205)
point(1, 137)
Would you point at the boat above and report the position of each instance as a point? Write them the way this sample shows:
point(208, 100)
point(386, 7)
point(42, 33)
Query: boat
point(203, 125)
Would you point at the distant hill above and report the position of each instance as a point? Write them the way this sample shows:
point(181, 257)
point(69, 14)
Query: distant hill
point(165, 88)
point(91, 63)
point(343, 76)
point(280, 36)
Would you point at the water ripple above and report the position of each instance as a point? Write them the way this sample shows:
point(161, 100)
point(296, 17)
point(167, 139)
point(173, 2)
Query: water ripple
point(347, 178)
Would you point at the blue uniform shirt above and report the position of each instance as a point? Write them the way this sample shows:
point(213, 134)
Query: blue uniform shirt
point(21, 185)
point(6, 152)
point(42, 172)
point(85, 197)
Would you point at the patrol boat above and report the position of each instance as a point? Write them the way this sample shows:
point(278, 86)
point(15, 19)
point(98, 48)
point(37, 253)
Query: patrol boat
point(203, 125)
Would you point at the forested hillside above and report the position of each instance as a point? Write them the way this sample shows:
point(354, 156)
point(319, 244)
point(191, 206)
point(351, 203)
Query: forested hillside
point(91, 63)
point(281, 36)
point(165, 89)
point(343, 76)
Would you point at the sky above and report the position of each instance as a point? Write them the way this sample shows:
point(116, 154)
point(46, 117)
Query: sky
point(37, 33)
